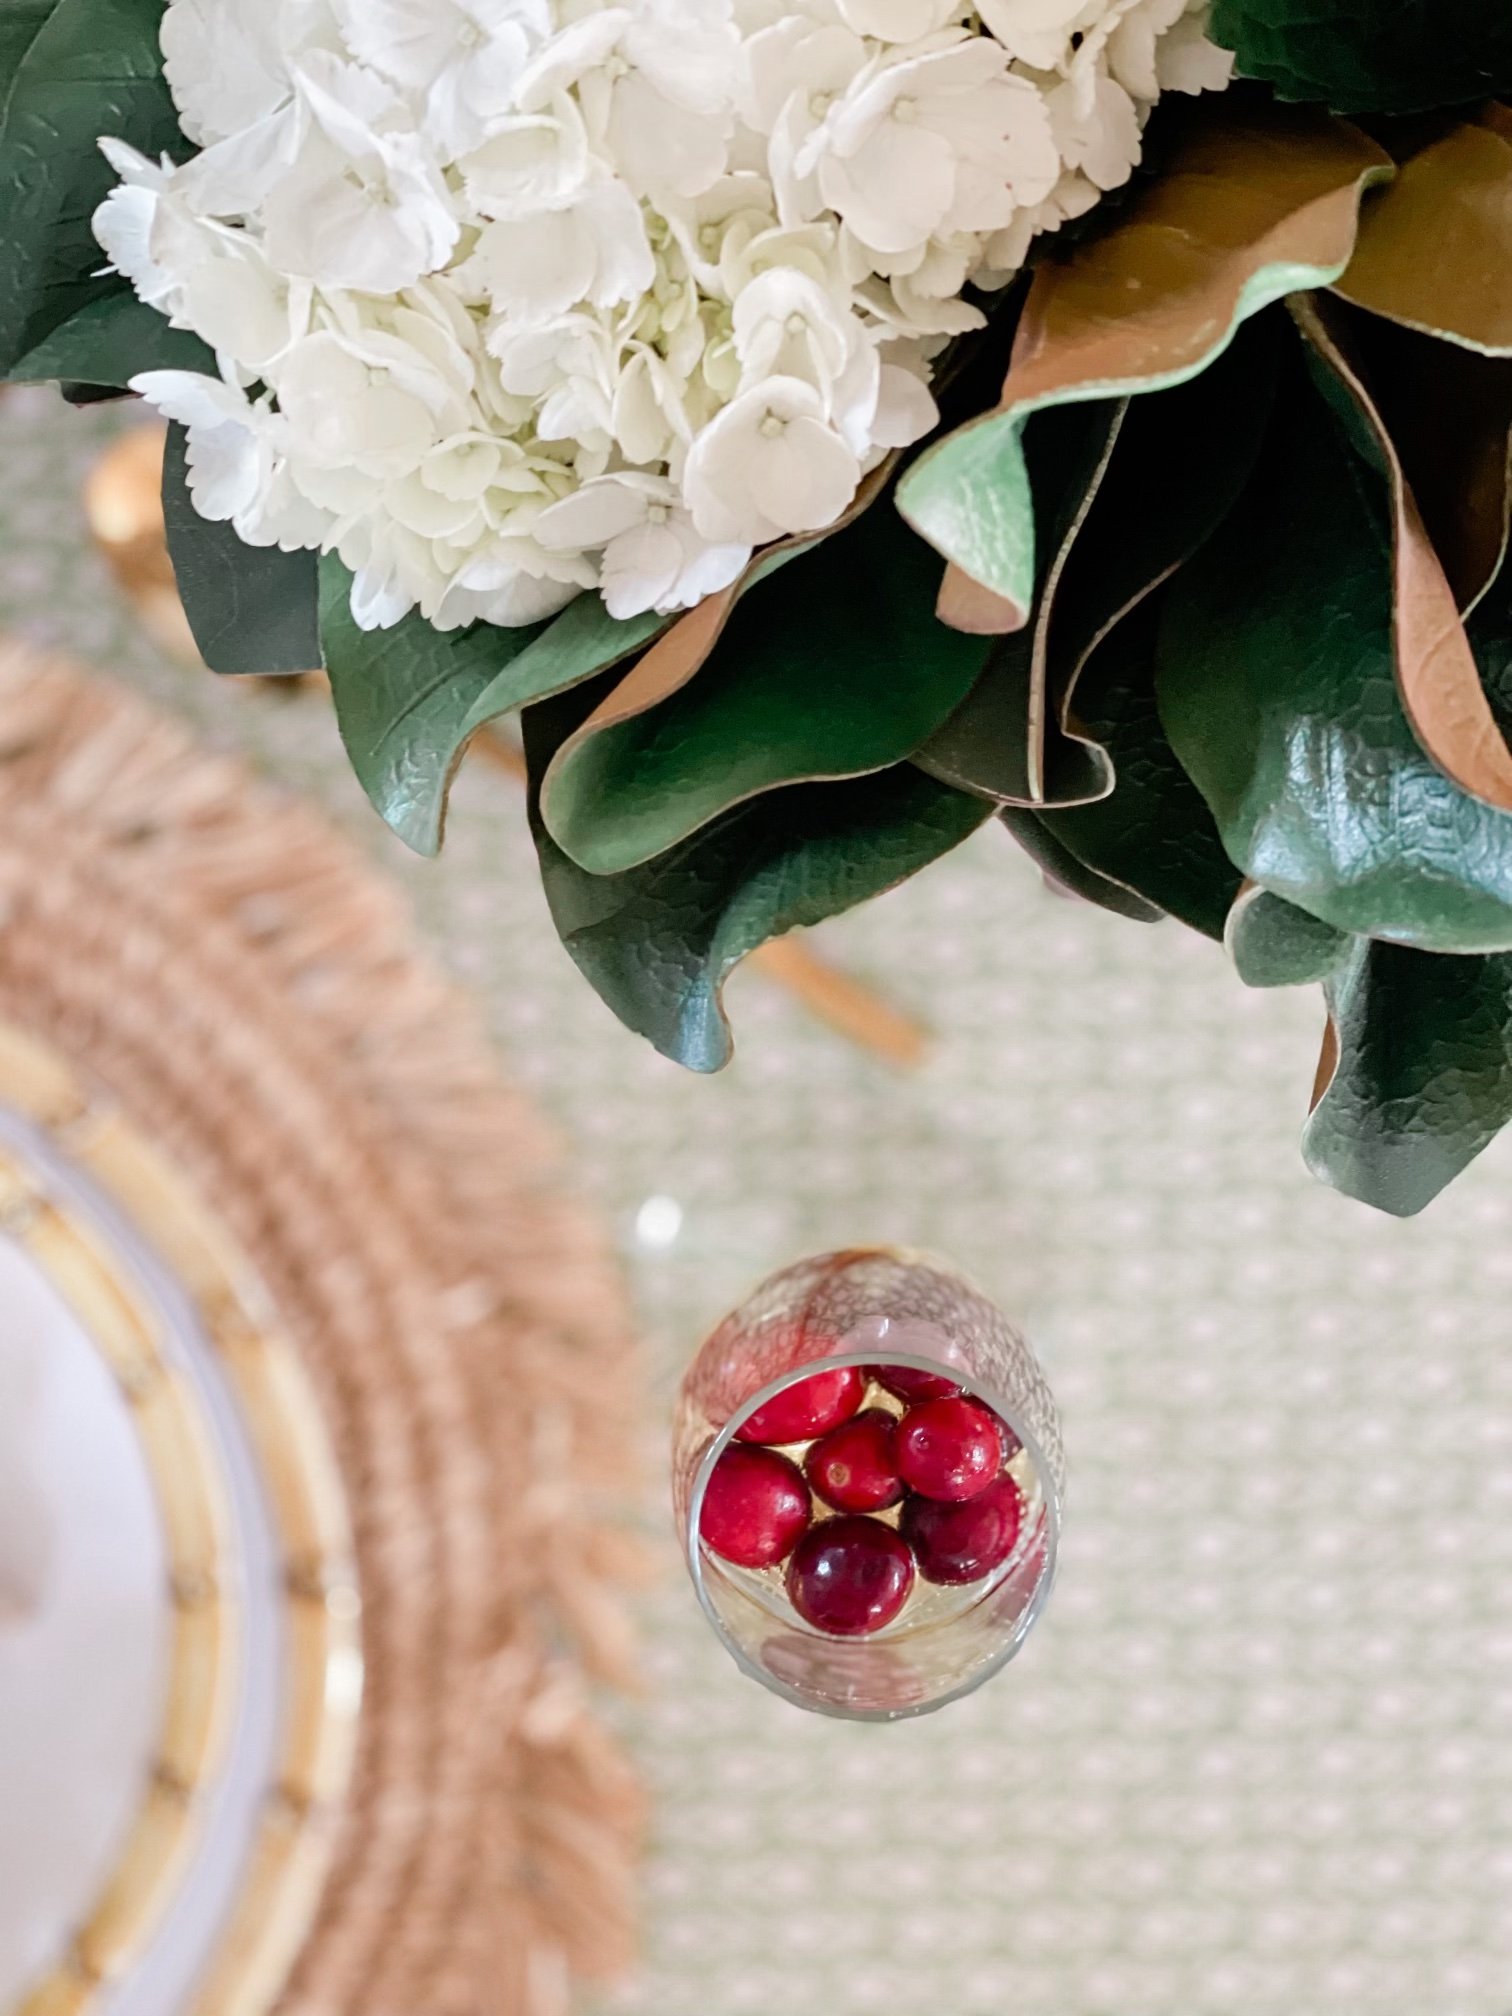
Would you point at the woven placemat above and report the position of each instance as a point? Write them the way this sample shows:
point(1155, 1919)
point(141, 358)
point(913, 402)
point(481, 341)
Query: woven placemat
point(248, 990)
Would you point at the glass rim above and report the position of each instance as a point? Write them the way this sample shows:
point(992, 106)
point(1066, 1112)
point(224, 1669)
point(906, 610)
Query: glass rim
point(997, 1660)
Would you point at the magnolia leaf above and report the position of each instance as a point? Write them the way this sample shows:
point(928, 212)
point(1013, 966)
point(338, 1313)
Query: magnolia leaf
point(1490, 632)
point(1435, 248)
point(681, 653)
point(995, 743)
point(838, 669)
point(1116, 525)
point(1402, 56)
point(93, 67)
point(1181, 460)
point(410, 699)
point(251, 608)
point(1448, 412)
point(20, 23)
point(1152, 835)
point(1059, 865)
point(1437, 676)
point(1253, 203)
point(1420, 1081)
point(657, 942)
point(106, 342)
point(966, 605)
point(1274, 944)
point(1277, 688)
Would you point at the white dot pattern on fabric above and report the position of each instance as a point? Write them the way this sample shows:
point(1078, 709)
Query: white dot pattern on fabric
point(1254, 1759)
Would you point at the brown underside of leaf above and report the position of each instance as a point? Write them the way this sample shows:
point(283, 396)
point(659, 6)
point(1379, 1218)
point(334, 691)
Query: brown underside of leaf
point(1435, 249)
point(1328, 1064)
point(1437, 675)
point(1248, 189)
point(967, 606)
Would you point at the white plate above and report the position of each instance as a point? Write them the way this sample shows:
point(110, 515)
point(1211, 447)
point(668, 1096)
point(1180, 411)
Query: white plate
point(180, 1670)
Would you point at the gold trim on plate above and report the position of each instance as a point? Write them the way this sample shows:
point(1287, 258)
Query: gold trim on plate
point(288, 1859)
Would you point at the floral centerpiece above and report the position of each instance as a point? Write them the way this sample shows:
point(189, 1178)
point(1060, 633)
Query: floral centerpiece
point(836, 423)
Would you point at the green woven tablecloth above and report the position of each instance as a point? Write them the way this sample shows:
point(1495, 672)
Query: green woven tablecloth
point(1255, 1759)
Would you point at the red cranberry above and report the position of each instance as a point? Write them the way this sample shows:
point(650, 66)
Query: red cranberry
point(853, 1468)
point(849, 1576)
point(807, 1408)
point(908, 1384)
point(949, 1449)
point(755, 1507)
point(962, 1543)
point(1010, 1441)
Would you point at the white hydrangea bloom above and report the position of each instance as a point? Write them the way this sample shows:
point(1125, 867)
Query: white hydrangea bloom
point(517, 298)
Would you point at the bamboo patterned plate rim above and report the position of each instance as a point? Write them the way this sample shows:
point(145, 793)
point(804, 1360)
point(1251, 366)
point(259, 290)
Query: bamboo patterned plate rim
point(62, 1142)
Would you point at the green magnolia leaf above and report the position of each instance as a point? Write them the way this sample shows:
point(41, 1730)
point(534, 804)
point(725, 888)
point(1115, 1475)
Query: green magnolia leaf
point(20, 23)
point(1252, 204)
point(1059, 865)
point(110, 339)
point(409, 699)
point(834, 668)
point(1447, 412)
point(1437, 678)
point(1277, 689)
point(1423, 1078)
point(251, 608)
point(93, 67)
point(1153, 835)
point(998, 742)
point(1114, 524)
point(657, 942)
point(1399, 56)
point(1182, 458)
point(1274, 944)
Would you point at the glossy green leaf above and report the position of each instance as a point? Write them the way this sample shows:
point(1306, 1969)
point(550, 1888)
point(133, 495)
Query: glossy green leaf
point(93, 67)
point(1182, 459)
point(1252, 204)
point(1277, 689)
point(409, 699)
point(1153, 834)
point(1448, 413)
point(1423, 1079)
point(1274, 944)
point(20, 23)
point(657, 942)
point(835, 668)
point(107, 341)
point(1059, 865)
point(1438, 681)
point(251, 608)
point(1001, 742)
point(1391, 56)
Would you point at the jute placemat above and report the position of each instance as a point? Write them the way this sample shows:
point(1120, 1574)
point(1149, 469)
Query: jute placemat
point(248, 990)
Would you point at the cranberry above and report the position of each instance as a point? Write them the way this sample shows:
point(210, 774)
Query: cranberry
point(808, 1407)
point(853, 1468)
point(949, 1449)
point(962, 1543)
point(1010, 1441)
point(908, 1384)
point(755, 1507)
point(849, 1576)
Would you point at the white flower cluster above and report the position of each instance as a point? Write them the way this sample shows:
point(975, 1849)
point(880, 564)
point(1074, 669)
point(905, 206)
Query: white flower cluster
point(514, 298)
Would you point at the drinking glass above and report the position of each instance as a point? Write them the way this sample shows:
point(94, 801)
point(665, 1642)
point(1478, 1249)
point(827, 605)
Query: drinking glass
point(868, 1308)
